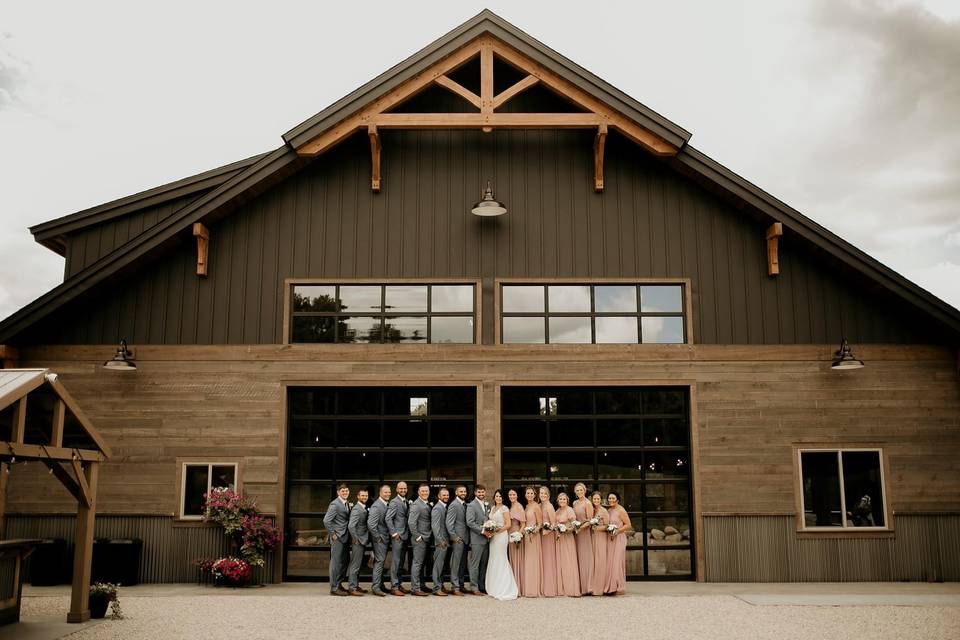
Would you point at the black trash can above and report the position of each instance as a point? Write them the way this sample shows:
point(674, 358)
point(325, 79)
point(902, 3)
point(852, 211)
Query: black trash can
point(117, 560)
point(50, 563)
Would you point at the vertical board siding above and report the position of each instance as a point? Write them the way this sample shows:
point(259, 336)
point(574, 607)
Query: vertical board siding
point(324, 222)
point(168, 550)
point(744, 548)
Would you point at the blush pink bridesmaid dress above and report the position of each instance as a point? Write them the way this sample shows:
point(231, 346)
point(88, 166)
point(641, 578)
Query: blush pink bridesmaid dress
point(567, 556)
point(584, 542)
point(530, 576)
point(616, 557)
point(598, 581)
point(518, 521)
point(549, 583)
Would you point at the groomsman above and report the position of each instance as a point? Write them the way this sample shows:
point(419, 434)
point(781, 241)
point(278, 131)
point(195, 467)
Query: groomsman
point(420, 534)
point(359, 537)
point(397, 524)
point(336, 521)
point(441, 540)
point(459, 534)
point(380, 533)
point(477, 512)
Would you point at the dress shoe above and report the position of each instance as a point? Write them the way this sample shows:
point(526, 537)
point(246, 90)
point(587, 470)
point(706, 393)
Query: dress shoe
point(420, 593)
point(447, 591)
point(404, 589)
point(356, 592)
point(456, 593)
point(361, 590)
point(378, 592)
point(342, 590)
point(440, 593)
point(426, 591)
point(397, 592)
point(338, 593)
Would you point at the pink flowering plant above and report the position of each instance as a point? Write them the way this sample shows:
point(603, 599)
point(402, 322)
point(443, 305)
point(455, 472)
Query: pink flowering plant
point(232, 572)
point(227, 508)
point(251, 533)
point(259, 535)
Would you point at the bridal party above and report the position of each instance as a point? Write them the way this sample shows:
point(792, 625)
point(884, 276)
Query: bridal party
point(515, 543)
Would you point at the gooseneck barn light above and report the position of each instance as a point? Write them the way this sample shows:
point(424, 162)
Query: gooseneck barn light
point(488, 205)
point(843, 359)
point(122, 360)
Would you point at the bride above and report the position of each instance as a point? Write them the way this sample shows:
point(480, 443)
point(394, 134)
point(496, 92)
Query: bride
point(499, 579)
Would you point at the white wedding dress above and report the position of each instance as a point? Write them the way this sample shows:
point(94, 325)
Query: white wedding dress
point(499, 579)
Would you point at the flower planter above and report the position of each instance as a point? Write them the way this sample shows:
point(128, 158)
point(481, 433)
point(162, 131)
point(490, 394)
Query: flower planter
point(98, 606)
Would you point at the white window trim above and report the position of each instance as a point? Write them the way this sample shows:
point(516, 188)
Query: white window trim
point(843, 499)
point(210, 466)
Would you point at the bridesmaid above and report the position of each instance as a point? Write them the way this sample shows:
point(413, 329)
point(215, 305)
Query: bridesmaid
point(518, 520)
point(530, 586)
point(598, 580)
point(569, 579)
point(584, 537)
point(549, 582)
point(617, 548)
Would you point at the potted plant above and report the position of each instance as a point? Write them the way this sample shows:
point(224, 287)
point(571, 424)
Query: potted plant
point(231, 572)
point(251, 536)
point(103, 594)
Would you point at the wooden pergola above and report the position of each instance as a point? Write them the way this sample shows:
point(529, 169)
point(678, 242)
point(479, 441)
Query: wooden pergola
point(75, 467)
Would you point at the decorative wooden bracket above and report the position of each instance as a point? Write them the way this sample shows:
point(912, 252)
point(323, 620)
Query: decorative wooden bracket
point(203, 245)
point(521, 86)
point(459, 89)
point(86, 496)
point(598, 145)
point(773, 255)
point(59, 415)
point(65, 479)
point(375, 157)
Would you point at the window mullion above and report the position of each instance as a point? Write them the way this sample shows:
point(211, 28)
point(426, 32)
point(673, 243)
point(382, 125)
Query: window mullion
point(843, 497)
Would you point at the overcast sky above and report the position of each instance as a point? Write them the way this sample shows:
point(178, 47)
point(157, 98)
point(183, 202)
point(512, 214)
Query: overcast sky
point(847, 110)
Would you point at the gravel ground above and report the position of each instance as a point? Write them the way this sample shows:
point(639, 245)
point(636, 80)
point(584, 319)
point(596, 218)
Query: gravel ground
point(717, 617)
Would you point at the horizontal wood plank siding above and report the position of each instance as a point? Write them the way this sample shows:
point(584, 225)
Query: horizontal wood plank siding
point(168, 550)
point(325, 222)
point(760, 548)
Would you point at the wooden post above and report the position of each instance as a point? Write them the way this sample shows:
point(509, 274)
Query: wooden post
point(598, 145)
point(203, 247)
point(486, 82)
point(773, 254)
point(83, 550)
point(374, 158)
point(19, 425)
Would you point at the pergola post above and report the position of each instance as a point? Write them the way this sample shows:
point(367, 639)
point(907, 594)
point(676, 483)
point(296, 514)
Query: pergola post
point(83, 548)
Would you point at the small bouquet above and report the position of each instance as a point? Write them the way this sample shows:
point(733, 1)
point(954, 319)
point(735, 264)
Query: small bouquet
point(546, 526)
point(576, 524)
point(594, 521)
point(564, 528)
point(532, 529)
point(516, 537)
point(489, 526)
point(611, 528)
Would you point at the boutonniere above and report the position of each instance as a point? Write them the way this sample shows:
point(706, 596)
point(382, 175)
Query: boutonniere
point(430, 503)
point(486, 504)
point(350, 505)
point(409, 501)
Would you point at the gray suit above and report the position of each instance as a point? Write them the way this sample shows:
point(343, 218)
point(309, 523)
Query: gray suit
point(336, 521)
point(441, 542)
point(459, 538)
point(420, 533)
point(397, 524)
point(359, 537)
point(377, 527)
point(476, 516)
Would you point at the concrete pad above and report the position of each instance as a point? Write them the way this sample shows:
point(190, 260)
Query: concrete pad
point(851, 599)
point(43, 628)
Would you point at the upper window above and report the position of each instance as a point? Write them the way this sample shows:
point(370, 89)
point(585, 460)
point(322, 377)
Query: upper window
point(375, 313)
point(842, 488)
point(197, 479)
point(597, 313)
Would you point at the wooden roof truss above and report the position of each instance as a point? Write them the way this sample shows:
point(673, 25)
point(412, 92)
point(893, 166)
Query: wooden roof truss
point(596, 114)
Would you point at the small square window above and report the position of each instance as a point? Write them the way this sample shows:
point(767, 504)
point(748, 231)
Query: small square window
point(842, 489)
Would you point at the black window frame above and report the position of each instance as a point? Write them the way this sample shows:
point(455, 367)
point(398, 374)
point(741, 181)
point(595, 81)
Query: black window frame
point(383, 313)
point(593, 314)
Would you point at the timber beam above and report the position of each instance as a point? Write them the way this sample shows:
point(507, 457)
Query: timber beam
point(10, 450)
point(773, 248)
point(65, 479)
point(202, 234)
point(504, 96)
point(459, 89)
point(487, 120)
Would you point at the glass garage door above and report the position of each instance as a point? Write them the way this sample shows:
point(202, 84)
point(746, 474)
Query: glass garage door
point(367, 436)
point(633, 440)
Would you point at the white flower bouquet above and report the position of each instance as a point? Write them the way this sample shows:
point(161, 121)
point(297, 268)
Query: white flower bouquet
point(489, 526)
point(576, 524)
point(594, 521)
point(516, 537)
point(532, 529)
point(612, 528)
point(546, 526)
point(564, 528)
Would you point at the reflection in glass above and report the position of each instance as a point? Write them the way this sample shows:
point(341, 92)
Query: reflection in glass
point(821, 489)
point(359, 330)
point(666, 433)
point(311, 433)
point(631, 497)
point(615, 298)
point(569, 298)
point(564, 330)
point(312, 329)
point(447, 298)
point(309, 498)
point(661, 298)
point(452, 401)
point(571, 465)
point(451, 433)
point(619, 464)
point(525, 465)
point(662, 330)
point(360, 298)
point(451, 465)
point(666, 465)
point(406, 433)
point(195, 486)
point(862, 488)
point(310, 466)
point(571, 433)
point(223, 476)
point(618, 433)
point(357, 465)
point(308, 532)
point(523, 331)
point(662, 401)
point(408, 466)
point(671, 496)
point(573, 402)
point(418, 406)
point(617, 330)
point(314, 298)
point(618, 401)
point(524, 433)
point(405, 330)
point(405, 297)
point(518, 298)
point(451, 329)
point(358, 433)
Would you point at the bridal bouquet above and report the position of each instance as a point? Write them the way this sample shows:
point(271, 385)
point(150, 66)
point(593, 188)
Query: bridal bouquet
point(489, 526)
point(516, 537)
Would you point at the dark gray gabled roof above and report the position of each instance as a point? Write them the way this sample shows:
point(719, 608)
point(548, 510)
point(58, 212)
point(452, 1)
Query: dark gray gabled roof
point(50, 234)
point(270, 167)
point(486, 22)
